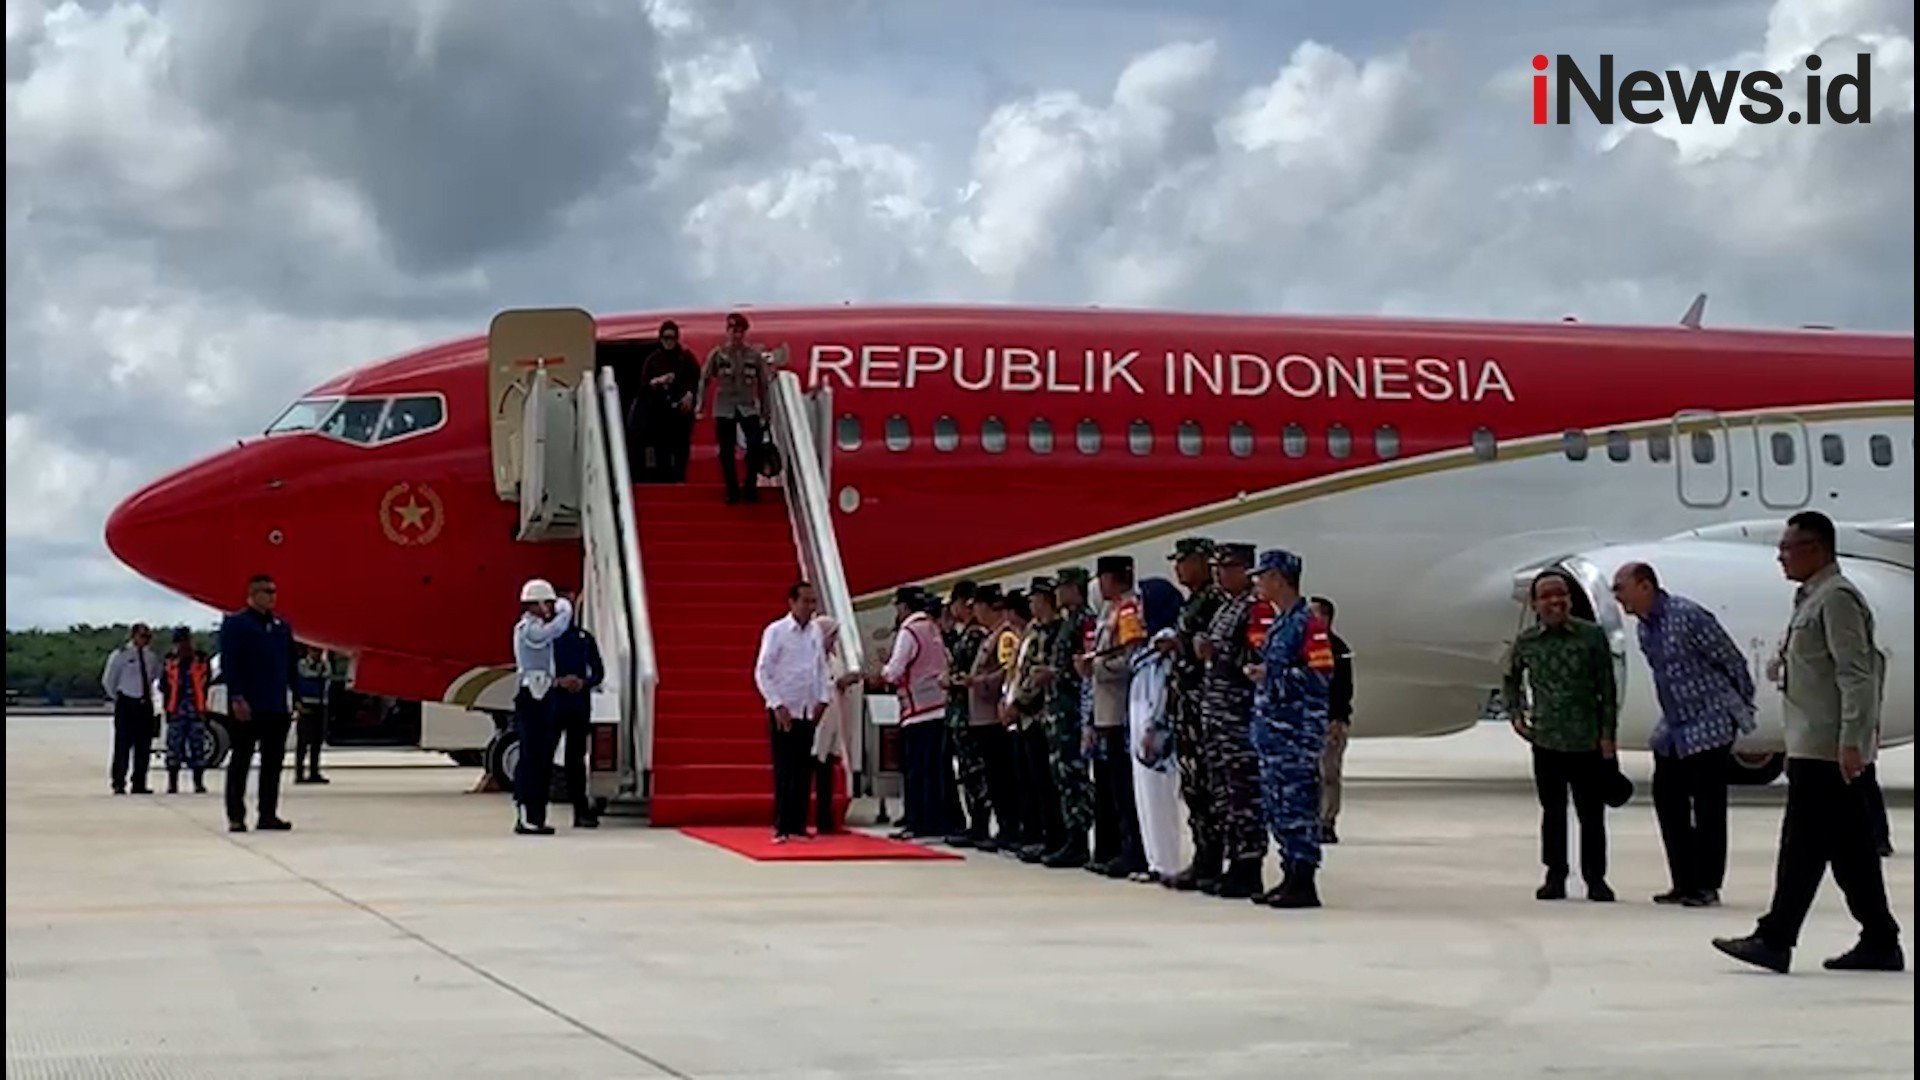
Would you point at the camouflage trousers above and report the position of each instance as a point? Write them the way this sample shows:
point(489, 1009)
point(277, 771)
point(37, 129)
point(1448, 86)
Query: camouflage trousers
point(1197, 780)
point(971, 757)
point(1070, 777)
point(1235, 769)
point(187, 744)
point(1290, 748)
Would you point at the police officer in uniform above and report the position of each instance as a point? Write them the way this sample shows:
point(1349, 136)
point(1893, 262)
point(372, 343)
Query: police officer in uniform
point(1192, 565)
point(1065, 700)
point(963, 647)
point(1226, 726)
point(1122, 631)
point(1290, 727)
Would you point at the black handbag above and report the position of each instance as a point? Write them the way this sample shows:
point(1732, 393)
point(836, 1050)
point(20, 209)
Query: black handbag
point(769, 463)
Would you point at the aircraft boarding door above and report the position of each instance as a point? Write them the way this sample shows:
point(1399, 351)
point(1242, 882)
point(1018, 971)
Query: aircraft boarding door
point(1785, 467)
point(559, 341)
point(1702, 463)
point(549, 461)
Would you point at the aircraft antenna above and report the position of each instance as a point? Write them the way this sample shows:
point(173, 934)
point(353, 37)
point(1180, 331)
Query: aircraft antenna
point(1691, 320)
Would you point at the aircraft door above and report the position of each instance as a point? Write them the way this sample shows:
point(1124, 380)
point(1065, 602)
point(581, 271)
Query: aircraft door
point(550, 461)
point(1781, 458)
point(559, 341)
point(1703, 466)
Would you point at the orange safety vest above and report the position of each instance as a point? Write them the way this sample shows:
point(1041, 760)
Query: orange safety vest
point(197, 674)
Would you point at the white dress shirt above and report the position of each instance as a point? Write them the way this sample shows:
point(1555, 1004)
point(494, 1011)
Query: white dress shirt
point(792, 668)
point(123, 676)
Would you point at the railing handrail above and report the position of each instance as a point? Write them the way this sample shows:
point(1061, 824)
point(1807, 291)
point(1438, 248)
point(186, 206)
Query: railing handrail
point(812, 514)
point(646, 670)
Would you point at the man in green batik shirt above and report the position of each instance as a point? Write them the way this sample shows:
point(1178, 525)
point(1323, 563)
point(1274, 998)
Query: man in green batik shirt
point(1570, 718)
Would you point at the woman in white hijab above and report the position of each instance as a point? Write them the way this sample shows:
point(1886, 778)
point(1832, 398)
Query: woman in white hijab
point(836, 739)
point(1156, 773)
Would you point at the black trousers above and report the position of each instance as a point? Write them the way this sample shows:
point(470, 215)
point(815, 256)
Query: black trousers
point(268, 733)
point(1116, 824)
point(537, 724)
point(574, 714)
point(309, 732)
point(1003, 780)
point(1827, 821)
point(822, 791)
point(728, 430)
point(132, 741)
point(923, 749)
point(1039, 806)
point(1557, 774)
point(1690, 802)
point(1869, 781)
point(792, 774)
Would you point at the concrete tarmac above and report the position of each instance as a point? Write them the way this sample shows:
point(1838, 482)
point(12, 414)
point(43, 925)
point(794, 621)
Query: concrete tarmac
point(401, 931)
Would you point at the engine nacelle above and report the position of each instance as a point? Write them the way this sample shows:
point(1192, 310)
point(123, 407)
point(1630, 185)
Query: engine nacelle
point(1740, 582)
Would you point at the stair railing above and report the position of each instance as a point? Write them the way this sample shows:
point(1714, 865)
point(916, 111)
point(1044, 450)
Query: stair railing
point(643, 671)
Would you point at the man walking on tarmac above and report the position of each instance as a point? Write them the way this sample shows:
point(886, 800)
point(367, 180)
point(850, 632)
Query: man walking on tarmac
point(544, 617)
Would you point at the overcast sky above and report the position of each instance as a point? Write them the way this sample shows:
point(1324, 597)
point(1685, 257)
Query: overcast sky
point(212, 206)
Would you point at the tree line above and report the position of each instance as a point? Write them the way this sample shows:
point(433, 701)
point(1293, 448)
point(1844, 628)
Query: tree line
point(57, 666)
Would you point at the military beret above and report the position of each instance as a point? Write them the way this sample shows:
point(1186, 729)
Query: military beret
point(1040, 585)
point(989, 595)
point(1192, 545)
point(1278, 560)
point(1113, 564)
point(1235, 554)
point(1071, 575)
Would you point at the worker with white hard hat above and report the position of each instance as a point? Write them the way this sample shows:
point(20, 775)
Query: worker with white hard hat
point(544, 616)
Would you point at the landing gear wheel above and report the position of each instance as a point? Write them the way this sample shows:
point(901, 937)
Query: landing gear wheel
point(1755, 769)
point(503, 756)
point(219, 742)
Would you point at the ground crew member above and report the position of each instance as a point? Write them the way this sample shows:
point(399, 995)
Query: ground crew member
point(739, 372)
point(1065, 697)
point(1226, 729)
point(544, 616)
point(963, 648)
point(1192, 567)
point(578, 672)
point(1570, 722)
point(1290, 727)
point(259, 662)
point(1041, 830)
point(310, 714)
point(916, 671)
point(1339, 723)
point(128, 681)
point(183, 697)
point(1122, 632)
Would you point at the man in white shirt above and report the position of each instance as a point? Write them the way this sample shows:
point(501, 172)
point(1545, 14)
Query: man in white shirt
point(791, 673)
point(128, 681)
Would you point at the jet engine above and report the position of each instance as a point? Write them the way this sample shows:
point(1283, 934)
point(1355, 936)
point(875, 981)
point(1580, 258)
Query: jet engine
point(1732, 571)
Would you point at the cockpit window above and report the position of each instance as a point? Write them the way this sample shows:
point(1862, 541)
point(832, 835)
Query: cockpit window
point(355, 421)
point(307, 414)
point(410, 415)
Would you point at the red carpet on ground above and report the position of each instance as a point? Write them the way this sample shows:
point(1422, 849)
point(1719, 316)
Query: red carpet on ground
point(756, 843)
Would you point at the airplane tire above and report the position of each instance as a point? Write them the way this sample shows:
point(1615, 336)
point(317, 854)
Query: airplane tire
point(472, 759)
point(1755, 770)
point(219, 743)
point(503, 754)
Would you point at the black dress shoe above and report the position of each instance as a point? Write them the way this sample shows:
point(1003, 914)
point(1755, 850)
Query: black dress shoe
point(1552, 889)
point(316, 778)
point(143, 790)
point(1067, 858)
point(1033, 853)
point(236, 826)
point(1600, 892)
point(1884, 848)
point(959, 840)
point(1703, 898)
point(1865, 957)
point(273, 824)
point(525, 829)
point(1328, 835)
point(586, 821)
point(1752, 950)
point(1672, 896)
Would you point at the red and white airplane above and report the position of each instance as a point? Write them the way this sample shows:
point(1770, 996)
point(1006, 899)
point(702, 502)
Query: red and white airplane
point(1422, 468)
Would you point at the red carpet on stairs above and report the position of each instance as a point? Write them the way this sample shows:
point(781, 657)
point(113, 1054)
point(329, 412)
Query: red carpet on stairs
point(756, 843)
point(716, 576)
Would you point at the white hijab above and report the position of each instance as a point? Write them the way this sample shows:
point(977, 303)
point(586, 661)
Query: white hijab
point(832, 736)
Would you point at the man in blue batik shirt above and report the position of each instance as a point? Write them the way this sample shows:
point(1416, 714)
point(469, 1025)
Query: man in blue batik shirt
point(1706, 702)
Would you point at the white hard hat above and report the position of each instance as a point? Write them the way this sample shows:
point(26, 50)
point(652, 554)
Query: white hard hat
point(537, 590)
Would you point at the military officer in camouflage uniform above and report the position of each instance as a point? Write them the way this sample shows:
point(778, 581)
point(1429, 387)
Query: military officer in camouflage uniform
point(963, 647)
point(1066, 697)
point(1042, 830)
point(1192, 566)
point(1226, 725)
point(1291, 678)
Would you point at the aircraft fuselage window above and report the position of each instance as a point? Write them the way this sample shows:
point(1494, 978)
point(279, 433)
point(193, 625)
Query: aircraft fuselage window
point(307, 414)
point(355, 421)
point(1040, 435)
point(1086, 436)
point(1293, 441)
point(1386, 441)
point(1880, 449)
point(1659, 446)
point(993, 435)
point(409, 416)
point(1574, 445)
point(1781, 444)
point(899, 436)
point(946, 434)
point(1703, 451)
point(1339, 441)
point(1619, 446)
point(847, 432)
point(1833, 449)
point(1140, 438)
point(1485, 446)
point(1190, 440)
point(1240, 439)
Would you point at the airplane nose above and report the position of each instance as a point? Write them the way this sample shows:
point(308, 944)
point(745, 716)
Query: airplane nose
point(170, 531)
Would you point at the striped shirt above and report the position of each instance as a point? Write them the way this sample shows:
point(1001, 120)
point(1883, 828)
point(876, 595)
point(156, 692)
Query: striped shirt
point(1700, 676)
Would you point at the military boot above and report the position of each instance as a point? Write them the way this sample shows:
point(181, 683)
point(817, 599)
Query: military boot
point(1205, 867)
point(173, 781)
point(1271, 896)
point(1071, 856)
point(1298, 891)
point(1242, 880)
